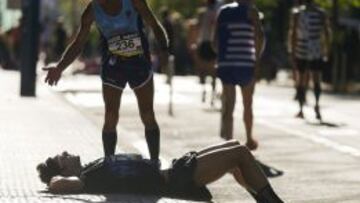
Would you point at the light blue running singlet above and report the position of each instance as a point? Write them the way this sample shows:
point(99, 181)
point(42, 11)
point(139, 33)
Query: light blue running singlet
point(123, 32)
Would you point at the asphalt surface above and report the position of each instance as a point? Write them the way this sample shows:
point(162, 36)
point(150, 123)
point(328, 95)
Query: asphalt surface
point(306, 161)
point(310, 161)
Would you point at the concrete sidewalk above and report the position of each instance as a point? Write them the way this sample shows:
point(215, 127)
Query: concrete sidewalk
point(316, 162)
point(31, 129)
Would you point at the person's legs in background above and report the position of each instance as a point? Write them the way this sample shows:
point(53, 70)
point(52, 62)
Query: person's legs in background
point(316, 76)
point(213, 90)
point(301, 89)
point(247, 95)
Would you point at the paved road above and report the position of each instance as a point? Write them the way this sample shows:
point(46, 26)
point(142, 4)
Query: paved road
point(31, 129)
point(319, 162)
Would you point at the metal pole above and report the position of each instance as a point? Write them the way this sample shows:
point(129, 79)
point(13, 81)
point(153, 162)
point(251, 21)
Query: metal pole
point(170, 74)
point(30, 46)
point(335, 46)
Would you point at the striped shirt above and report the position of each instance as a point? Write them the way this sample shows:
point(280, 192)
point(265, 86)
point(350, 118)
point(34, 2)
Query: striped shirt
point(236, 37)
point(309, 30)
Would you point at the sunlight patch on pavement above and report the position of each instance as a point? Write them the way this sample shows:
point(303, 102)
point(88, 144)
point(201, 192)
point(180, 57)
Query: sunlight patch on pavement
point(91, 99)
point(312, 137)
point(263, 106)
point(85, 99)
point(338, 132)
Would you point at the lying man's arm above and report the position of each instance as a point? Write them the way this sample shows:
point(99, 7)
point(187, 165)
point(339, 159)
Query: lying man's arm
point(60, 184)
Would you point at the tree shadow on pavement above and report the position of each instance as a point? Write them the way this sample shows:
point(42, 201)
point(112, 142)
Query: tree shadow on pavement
point(270, 171)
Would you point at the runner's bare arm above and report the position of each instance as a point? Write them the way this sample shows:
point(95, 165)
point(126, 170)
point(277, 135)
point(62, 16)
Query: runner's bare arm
point(259, 32)
point(290, 32)
point(215, 35)
point(327, 35)
point(72, 51)
point(144, 10)
point(59, 184)
point(294, 34)
point(75, 47)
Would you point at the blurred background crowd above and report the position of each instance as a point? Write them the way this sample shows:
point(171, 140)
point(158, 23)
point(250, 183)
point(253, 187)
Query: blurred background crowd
point(60, 19)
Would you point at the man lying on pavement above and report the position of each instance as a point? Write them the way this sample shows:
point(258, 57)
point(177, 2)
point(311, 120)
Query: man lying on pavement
point(131, 173)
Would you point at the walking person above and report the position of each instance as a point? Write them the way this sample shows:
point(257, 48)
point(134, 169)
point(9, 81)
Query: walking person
point(60, 39)
point(128, 173)
point(298, 4)
point(5, 56)
point(238, 41)
point(168, 25)
point(125, 60)
point(192, 32)
point(206, 55)
point(310, 24)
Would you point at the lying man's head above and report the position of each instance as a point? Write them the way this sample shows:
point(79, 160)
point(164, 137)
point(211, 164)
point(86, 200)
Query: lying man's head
point(64, 164)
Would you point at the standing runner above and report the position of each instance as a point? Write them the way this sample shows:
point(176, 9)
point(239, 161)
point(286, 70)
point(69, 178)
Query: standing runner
point(238, 40)
point(310, 24)
point(125, 59)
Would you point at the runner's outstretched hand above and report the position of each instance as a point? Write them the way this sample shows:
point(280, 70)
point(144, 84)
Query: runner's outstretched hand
point(53, 75)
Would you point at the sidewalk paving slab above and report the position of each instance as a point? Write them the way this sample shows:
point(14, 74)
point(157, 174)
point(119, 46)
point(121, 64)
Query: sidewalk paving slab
point(32, 128)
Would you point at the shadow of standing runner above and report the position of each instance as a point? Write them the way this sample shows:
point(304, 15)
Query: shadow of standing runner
point(101, 198)
point(195, 195)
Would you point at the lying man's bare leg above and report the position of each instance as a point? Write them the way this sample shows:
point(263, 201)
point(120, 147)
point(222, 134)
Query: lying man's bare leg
point(214, 164)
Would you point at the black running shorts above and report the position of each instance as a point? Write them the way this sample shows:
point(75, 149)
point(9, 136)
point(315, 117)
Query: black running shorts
point(312, 65)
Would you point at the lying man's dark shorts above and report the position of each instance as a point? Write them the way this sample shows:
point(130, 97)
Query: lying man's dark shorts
point(181, 174)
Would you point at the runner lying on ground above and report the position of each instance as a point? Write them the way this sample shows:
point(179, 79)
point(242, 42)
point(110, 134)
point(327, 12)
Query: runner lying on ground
point(65, 174)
